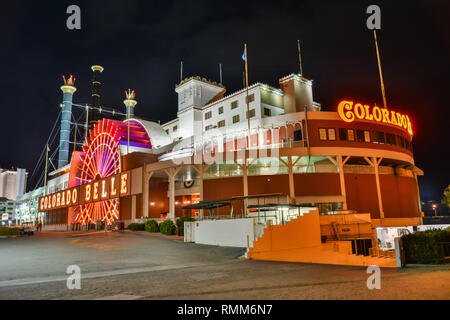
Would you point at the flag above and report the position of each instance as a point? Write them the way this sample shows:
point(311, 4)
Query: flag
point(243, 56)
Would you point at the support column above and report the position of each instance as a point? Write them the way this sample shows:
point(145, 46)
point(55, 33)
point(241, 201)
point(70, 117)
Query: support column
point(133, 208)
point(375, 163)
point(146, 176)
point(171, 173)
point(199, 170)
point(290, 166)
point(342, 181)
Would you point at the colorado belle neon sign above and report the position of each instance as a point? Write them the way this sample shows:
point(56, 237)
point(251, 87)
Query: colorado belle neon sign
point(350, 111)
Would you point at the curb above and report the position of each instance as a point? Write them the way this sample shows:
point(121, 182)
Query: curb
point(158, 235)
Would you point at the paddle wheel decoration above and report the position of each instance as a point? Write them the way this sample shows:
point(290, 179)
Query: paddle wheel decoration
point(101, 158)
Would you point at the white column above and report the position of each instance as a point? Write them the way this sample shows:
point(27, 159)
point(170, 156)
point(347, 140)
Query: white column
point(291, 180)
point(146, 176)
point(377, 180)
point(171, 173)
point(342, 181)
point(133, 208)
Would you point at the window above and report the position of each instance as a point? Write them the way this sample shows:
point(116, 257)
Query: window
point(378, 137)
point(251, 98)
point(236, 118)
point(221, 124)
point(167, 131)
point(298, 135)
point(401, 142)
point(220, 110)
point(252, 113)
point(331, 134)
point(234, 105)
point(267, 112)
point(366, 136)
point(175, 128)
point(343, 134)
point(208, 127)
point(327, 134)
point(351, 135)
point(208, 115)
point(390, 139)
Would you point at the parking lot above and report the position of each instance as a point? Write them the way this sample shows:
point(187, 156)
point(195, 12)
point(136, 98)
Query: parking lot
point(139, 266)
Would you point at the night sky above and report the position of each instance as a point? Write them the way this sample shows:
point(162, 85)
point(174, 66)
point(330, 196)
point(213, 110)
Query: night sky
point(141, 43)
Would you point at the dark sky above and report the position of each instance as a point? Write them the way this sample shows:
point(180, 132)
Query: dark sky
point(140, 45)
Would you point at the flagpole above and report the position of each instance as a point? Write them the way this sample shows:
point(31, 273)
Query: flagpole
point(299, 57)
point(246, 85)
point(45, 176)
point(379, 69)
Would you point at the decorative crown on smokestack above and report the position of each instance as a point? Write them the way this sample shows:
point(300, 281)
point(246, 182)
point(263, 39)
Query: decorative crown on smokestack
point(69, 81)
point(130, 102)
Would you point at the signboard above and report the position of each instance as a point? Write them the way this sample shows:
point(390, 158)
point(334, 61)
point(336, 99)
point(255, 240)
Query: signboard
point(349, 111)
point(99, 190)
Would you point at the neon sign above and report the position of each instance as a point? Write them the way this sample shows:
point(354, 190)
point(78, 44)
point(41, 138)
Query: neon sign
point(108, 188)
point(349, 111)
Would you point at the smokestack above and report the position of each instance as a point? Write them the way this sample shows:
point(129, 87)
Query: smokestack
point(130, 102)
point(66, 116)
point(95, 114)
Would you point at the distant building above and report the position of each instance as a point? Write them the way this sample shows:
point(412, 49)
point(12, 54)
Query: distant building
point(12, 183)
point(7, 211)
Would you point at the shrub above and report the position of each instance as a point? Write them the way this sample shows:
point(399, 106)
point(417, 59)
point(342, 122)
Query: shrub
point(167, 227)
point(136, 226)
point(6, 231)
point(151, 226)
point(423, 247)
point(180, 224)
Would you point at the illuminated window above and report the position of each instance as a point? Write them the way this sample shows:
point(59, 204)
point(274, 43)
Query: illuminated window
point(323, 134)
point(366, 136)
point(221, 124)
point(351, 135)
point(331, 134)
point(267, 112)
point(234, 105)
point(208, 115)
point(236, 118)
point(220, 110)
point(252, 113)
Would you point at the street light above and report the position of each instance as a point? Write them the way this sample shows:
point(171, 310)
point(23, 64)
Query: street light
point(434, 206)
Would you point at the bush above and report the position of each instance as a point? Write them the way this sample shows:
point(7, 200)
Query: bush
point(180, 224)
point(167, 227)
point(6, 231)
point(136, 226)
point(151, 226)
point(423, 247)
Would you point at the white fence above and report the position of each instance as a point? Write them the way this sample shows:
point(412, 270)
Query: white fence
point(228, 233)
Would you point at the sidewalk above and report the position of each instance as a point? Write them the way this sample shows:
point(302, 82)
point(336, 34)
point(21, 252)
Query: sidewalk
point(159, 235)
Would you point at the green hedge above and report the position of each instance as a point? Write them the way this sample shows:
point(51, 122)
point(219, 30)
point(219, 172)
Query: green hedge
point(151, 226)
point(6, 231)
point(167, 227)
point(136, 226)
point(423, 247)
point(180, 224)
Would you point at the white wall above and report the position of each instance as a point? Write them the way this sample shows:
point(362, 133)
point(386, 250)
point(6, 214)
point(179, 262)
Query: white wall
point(228, 233)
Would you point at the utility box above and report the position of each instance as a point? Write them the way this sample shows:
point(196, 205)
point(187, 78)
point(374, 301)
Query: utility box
point(189, 231)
